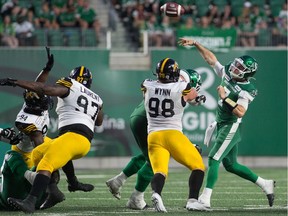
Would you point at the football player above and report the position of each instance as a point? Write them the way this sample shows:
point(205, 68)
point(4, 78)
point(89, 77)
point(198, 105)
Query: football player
point(235, 92)
point(165, 100)
point(140, 164)
point(79, 109)
point(14, 171)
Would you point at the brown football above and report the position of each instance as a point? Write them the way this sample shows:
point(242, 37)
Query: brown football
point(172, 9)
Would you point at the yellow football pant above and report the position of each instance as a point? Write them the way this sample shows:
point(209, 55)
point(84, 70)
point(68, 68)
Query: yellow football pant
point(166, 143)
point(51, 156)
point(27, 155)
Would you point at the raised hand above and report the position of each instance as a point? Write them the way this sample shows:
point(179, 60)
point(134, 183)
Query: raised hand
point(7, 82)
point(50, 62)
point(186, 42)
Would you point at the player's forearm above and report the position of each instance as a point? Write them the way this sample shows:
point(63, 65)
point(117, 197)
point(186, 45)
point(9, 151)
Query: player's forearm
point(42, 76)
point(37, 87)
point(207, 55)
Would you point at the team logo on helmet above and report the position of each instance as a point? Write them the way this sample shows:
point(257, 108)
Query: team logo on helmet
point(243, 67)
point(167, 70)
point(82, 75)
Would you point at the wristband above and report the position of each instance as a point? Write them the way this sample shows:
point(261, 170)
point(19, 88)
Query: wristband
point(231, 104)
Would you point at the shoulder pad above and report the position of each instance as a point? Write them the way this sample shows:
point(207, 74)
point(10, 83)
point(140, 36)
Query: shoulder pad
point(65, 81)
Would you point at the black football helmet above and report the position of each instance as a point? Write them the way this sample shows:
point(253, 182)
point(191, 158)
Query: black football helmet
point(167, 70)
point(82, 75)
point(34, 102)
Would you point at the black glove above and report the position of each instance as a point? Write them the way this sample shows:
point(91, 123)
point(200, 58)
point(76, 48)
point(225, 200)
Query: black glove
point(8, 133)
point(200, 98)
point(7, 82)
point(50, 61)
point(16, 139)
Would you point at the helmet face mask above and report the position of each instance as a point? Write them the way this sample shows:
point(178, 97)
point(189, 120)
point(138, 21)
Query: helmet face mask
point(243, 67)
point(82, 75)
point(167, 70)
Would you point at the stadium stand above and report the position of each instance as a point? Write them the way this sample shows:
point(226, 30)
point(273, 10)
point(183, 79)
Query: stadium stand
point(77, 22)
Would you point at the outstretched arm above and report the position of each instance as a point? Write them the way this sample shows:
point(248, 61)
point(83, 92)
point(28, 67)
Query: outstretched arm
point(207, 55)
point(38, 87)
point(43, 75)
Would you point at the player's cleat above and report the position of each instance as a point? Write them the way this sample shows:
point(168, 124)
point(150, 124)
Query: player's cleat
point(268, 189)
point(158, 203)
point(136, 202)
point(189, 202)
point(197, 206)
point(114, 186)
point(75, 185)
point(53, 199)
point(27, 205)
point(202, 204)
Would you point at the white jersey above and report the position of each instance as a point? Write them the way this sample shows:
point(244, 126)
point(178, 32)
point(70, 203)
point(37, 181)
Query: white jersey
point(30, 123)
point(81, 106)
point(164, 104)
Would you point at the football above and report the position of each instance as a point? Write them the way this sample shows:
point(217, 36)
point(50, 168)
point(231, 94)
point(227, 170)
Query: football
point(172, 9)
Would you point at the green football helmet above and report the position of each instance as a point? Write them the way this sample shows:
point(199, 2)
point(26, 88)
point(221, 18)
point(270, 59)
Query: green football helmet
point(195, 78)
point(243, 67)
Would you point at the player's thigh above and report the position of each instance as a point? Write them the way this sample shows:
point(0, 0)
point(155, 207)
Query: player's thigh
point(69, 146)
point(138, 125)
point(227, 137)
point(39, 151)
point(184, 152)
point(159, 156)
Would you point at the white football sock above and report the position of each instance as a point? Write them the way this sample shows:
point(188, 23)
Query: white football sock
point(30, 176)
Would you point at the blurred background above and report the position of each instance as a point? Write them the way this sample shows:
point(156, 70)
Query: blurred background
point(121, 41)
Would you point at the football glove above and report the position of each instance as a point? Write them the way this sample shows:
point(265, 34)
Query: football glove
point(50, 61)
point(15, 140)
point(8, 82)
point(8, 133)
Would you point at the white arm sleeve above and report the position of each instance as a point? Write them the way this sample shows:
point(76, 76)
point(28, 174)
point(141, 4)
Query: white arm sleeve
point(219, 69)
point(244, 99)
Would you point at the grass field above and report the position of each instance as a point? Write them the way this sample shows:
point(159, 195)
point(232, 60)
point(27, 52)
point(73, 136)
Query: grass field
point(232, 196)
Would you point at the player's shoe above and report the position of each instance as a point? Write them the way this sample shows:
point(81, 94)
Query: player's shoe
point(53, 199)
point(268, 189)
point(27, 205)
point(136, 202)
point(158, 203)
point(75, 185)
point(201, 204)
point(114, 186)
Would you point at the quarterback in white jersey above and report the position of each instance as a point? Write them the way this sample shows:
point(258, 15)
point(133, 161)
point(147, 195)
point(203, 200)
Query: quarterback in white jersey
point(165, 100)
point(76, 126)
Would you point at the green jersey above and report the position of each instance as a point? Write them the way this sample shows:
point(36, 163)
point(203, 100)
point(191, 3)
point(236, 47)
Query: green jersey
point(234, 91)
point(14, 184)
point(139, 110)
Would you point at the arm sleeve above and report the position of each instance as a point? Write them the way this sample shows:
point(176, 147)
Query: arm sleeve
point(244, 99)
point(219, 69)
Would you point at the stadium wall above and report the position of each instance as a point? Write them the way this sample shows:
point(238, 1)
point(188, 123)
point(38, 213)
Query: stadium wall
point(264, 126)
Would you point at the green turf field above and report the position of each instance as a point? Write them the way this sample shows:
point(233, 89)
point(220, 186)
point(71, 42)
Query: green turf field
point(232, 196)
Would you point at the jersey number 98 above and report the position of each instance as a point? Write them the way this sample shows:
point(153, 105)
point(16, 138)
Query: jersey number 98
point(167, 106)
